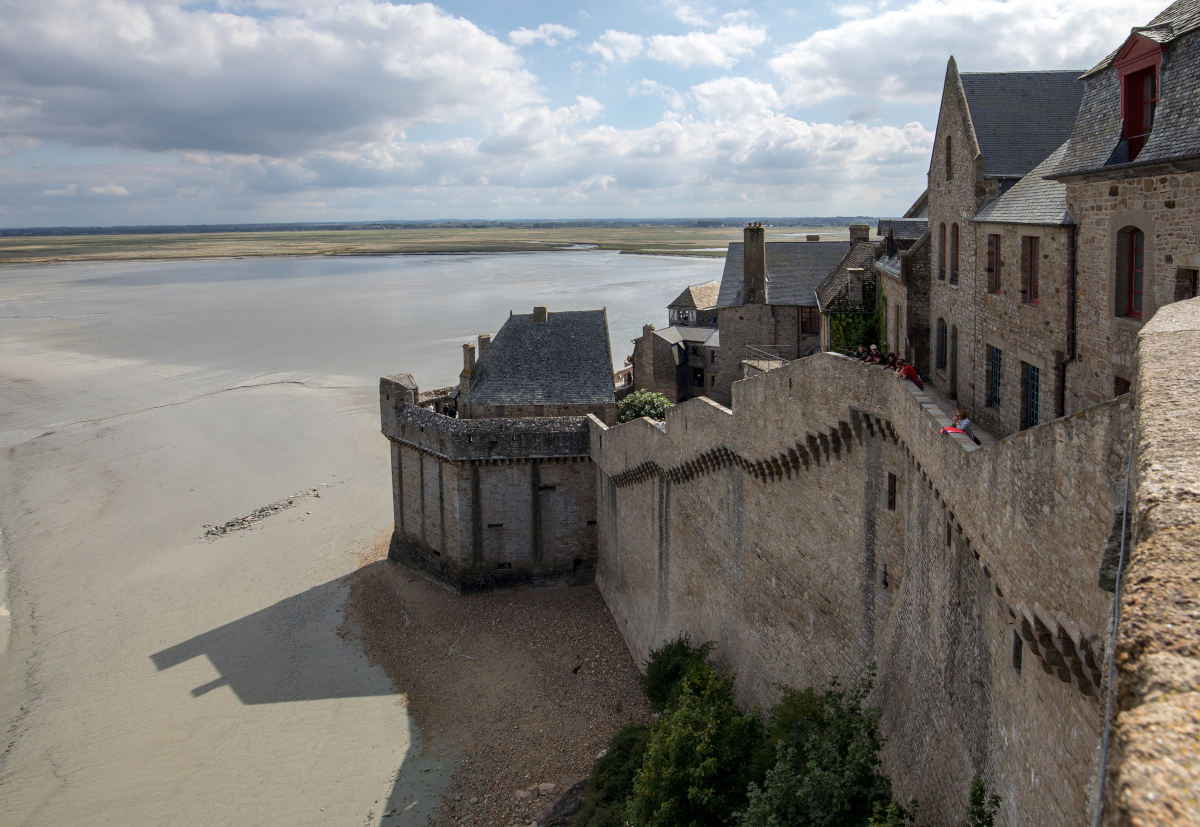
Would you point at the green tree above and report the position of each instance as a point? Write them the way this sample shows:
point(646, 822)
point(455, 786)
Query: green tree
point(642, 403)
point(667, 666)
point(982, 812)
point(827, 766)
point(611, 782)
point(697, 762)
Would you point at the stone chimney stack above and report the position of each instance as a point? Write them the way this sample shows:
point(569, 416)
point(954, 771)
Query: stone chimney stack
point(647, 329)
point(464, 378)
point(860, 232)
point(854, 287)
point(754, 264)
point(485, 339)
point(540, 315)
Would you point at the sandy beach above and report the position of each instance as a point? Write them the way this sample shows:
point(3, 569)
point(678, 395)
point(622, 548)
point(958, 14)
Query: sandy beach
point(151, 674)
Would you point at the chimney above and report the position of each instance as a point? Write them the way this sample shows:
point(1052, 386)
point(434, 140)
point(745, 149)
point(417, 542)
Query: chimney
point(860, 232)
point(854, 287)
point(647, 329)
point(464, 378)
point(812, 237)
point(754, 264)
point(485, 339)
point(540, 315)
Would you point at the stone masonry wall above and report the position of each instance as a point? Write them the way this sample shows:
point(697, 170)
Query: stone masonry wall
point(1164, 207)
point(755, 324)
point(769, 529)
point(1154, 764)
point(488, 502)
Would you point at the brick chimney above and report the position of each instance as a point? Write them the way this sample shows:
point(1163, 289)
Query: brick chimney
point(860, 232)
point(540, 314)
point(647, 329)
point(754, 264)
point(854, 287)
point(484, 339)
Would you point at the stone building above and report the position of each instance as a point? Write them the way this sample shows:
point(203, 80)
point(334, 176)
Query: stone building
point(541, 364)
point(902, 270)
point(852, 289)
point(680, 361)
point(1131, 174)
point(987, 336)
point(767, 306)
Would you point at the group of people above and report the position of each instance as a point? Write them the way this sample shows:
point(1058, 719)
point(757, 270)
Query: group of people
point(892, 362)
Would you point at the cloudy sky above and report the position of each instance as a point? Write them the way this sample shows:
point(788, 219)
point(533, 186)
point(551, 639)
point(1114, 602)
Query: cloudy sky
point(158, 111)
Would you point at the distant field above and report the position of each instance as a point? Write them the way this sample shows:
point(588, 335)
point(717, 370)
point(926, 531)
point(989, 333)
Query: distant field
point(650, 240)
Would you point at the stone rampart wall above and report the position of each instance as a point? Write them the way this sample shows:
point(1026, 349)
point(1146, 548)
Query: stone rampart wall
point(824, 524)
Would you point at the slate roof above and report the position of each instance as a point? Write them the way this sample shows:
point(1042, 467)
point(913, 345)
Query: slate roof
point(832, 293)
point(566, 361)
point(903, 229)
point(697, 297)
point(1020, 117)
point(794, 270)
point(1034, 199)
point(1175, 20)
point(1096, 143)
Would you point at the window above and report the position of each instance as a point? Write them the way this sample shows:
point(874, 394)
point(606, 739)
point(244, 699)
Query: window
point(1185, 284)
point(942, 253)
point(1029, 268)
point(949, 159)
point(954, 254)
point(1030, 395)
point(1017, 648)
point(1140, 95)
point(993, 377)
point(891, 492)
point(810, 321)
point(941, 344)
point(993, 264)
point(1131, 263)
point(1120, 385)
point(698, 377)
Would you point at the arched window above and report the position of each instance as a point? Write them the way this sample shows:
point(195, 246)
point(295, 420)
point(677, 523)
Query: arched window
point(949, 161)
point(941, 344)
point(954, 254)
point(942, 253)
point(1131, 270)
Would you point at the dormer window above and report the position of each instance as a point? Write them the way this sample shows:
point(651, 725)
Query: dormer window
point(1137, 66)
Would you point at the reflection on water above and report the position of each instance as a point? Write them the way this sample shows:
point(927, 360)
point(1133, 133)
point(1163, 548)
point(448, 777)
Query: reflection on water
point(352, 316)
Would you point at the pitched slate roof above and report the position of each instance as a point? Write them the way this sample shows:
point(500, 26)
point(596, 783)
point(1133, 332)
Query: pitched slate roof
point(1020, 117)
point(832, 293)
point(1034, 199)
point(794, 269)
point(903, 229)
point(1096, 143)
point(566, 361)
point(697, 297)
point(1175, 20)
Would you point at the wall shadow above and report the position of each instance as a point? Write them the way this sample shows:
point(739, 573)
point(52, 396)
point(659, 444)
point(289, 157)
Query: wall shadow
point(289, 651)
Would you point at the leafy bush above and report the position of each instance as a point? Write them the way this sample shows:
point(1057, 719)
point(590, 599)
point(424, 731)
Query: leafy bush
point(642, 403)
point(697, 762)
point(667, 666)
point(611, 781)
point(983, 807)
point(826, 769)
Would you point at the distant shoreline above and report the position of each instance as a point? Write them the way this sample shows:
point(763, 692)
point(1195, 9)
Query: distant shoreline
point(657, 240)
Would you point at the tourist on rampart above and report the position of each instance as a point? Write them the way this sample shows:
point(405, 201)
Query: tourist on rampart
point(874, 357)
point(892, 363)
point(963, 423)
point(907, 371)
point(861, 353)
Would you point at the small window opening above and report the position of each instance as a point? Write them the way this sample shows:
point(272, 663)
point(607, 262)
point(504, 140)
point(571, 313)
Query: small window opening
point(504, 566)
point(495, 525)
point(1018, 646)
point(1120, 385)
point(891, 492)
point(949, 537)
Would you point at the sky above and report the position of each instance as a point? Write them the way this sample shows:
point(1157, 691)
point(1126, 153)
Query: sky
point(126, 112)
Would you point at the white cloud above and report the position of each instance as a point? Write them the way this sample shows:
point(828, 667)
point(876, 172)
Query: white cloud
point(729, 98)
point(901, 53)
point(548, 33)
point(721, 48)
point(652, 88)
point(164, 75)
point(109, 189)
point(614, 46)
point(689, 14)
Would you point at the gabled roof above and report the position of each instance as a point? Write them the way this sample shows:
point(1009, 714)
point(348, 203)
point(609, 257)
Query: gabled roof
point(566, 361)
point(679, 334)
point(794, 269)
point(832, 292)
point(903, 229)
point(697, 297)
point(1096, 142)
point(1034, 199)
point(1020, 117)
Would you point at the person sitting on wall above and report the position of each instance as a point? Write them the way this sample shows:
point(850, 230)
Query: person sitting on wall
point(874, 357)
point(861, 353)
point(907, 371)
point(963, 423)
point(891, 363)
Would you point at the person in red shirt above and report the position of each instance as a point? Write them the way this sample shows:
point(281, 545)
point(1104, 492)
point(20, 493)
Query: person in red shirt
point(907, 371)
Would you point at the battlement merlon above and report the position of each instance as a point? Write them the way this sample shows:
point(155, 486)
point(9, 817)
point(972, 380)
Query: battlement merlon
point(458, 440)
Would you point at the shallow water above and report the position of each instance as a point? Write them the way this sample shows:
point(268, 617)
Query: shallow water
point(358, 317)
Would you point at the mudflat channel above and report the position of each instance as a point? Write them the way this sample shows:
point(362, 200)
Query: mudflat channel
point(151, 674)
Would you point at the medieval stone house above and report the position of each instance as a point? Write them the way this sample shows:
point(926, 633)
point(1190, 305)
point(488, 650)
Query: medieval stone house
point(902, 273)
point(680, 361)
